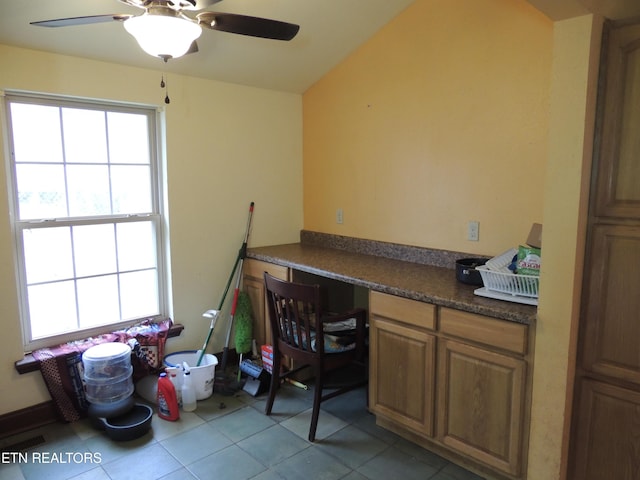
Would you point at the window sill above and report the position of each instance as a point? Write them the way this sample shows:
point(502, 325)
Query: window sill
point(29, 364)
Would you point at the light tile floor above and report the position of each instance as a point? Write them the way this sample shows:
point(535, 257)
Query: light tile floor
point(230, 438)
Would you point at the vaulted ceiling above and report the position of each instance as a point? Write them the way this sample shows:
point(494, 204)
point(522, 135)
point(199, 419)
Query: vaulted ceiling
point(329, 31)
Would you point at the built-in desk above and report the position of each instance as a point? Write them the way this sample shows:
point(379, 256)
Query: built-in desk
point(424, 283)
point(449, 370)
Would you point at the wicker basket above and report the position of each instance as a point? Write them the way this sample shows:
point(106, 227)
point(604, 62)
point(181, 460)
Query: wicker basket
point(511, 283)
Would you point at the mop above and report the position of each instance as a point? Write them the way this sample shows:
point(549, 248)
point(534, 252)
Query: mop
point(222, 384)
point(213, 314)
point(244, 328)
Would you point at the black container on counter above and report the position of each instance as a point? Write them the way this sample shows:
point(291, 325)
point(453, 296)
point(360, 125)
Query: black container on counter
point(466, 270)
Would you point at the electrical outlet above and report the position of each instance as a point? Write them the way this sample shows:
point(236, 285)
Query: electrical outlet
point(473, 231)
point(339, 216)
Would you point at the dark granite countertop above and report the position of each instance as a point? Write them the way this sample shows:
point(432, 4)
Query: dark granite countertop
point(417, 281)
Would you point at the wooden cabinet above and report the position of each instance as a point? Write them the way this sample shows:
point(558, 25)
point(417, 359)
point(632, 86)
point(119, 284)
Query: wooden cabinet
point(608, 433)
point(605, 433)
point(617, 192)
point(481, 388)
point(402, 361)
point(458, 380)
point(611, 327)
point(253, 285)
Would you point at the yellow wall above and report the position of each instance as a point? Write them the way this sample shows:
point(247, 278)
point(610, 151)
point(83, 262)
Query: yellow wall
point(468, 110)
point(227, 145)
point(439, 119)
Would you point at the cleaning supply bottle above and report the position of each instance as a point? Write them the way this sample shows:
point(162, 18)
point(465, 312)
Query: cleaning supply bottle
point(172, 374)
point(167, 399)
point(188, 391)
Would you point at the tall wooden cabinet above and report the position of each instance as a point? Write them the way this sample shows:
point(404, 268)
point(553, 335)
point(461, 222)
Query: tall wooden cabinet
point(605, 440)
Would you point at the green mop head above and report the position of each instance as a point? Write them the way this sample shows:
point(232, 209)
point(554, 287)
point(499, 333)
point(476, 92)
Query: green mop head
point(244, 324)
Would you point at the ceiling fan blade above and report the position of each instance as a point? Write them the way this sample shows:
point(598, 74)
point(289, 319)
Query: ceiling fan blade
point(245, 25)
point(67, 22)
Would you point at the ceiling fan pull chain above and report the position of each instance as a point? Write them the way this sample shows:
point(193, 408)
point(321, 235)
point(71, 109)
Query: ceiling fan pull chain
point(163, 84)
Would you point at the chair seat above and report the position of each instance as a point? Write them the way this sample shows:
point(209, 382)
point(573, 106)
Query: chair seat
point(341, 341)
point(332, 346)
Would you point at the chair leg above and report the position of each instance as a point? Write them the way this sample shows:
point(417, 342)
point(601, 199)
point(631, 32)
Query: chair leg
point(317, 399)
point(274, 385)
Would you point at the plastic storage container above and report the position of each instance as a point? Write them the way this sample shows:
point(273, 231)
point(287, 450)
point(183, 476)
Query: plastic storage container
point(108, 373)
point(109, 390)
point(107, 361)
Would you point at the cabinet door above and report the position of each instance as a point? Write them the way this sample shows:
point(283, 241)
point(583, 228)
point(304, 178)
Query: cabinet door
point(610, 320)
point(618, 189)
point(607, 443)
point(401, 381)
point(253, 285)
point(480, 404)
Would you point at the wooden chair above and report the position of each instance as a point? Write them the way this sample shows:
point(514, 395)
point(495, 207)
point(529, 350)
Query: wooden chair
point(299, 331)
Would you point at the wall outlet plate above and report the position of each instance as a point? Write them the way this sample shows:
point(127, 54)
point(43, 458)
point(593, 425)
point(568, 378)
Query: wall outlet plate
point(473, 231)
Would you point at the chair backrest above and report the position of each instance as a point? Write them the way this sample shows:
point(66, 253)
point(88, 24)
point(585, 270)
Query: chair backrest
point(293, 312)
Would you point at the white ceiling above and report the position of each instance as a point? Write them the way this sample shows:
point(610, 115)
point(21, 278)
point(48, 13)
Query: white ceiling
point(329, 31)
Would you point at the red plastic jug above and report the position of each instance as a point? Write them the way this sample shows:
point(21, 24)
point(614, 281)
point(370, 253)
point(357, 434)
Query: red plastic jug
point(167, 399)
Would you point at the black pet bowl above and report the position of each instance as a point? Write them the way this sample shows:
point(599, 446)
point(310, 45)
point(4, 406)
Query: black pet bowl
point(130, 425)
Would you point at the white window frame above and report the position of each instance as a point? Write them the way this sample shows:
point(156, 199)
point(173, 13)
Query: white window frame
point(157, 216)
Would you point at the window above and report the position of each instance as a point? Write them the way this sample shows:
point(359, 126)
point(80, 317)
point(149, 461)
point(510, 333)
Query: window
point(86, 211)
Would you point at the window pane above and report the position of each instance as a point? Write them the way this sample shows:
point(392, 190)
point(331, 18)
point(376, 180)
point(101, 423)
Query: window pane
point(41, 191)
point(47, 254)
point(52, 308)
point(131, 188)
point(98, 301)
point(136, 246)
point(85, 136)
point(128, 138)
point(91, 167)
point(139, 294)
point(88, 190)
point(28, 119)
point(94, 249)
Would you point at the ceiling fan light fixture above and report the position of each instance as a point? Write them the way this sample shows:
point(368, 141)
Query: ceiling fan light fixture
point(164, 36)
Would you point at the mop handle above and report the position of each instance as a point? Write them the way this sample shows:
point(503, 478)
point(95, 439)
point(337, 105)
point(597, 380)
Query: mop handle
point(224, 295)
point(241, 256)
point(242, 253)
point(237, 265)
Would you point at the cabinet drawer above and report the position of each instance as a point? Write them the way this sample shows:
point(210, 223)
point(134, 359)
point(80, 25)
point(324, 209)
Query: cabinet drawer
point(489, 331)
point(404, 310)
point(256, 268)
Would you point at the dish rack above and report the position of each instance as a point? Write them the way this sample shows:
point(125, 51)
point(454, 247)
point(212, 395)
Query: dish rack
point(499, 282)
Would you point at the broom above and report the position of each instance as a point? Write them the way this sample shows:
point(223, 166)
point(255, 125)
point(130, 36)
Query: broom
point(244, 327)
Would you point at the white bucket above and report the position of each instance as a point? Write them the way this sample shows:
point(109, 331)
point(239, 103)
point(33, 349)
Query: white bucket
point(202, 376)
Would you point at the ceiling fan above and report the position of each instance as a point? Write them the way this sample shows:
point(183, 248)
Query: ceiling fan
point(164, 30)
